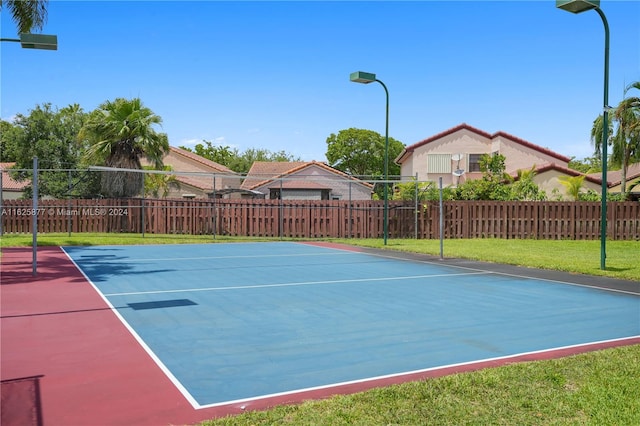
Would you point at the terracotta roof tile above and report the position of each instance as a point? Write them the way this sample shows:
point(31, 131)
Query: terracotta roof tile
point(201, 160)
point(614, 177)
point(262, 172)
point(8, 183)
point(567, 171)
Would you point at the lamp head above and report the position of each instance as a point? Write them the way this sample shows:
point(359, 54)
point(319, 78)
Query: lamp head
point(577, 6)
point(362, 77)
point(39, 41)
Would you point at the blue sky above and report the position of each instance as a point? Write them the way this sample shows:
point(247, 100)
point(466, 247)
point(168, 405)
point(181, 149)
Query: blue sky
point(275, 75)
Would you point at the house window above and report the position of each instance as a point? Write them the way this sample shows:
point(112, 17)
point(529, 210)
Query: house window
point(439, 163)
point(474, 162)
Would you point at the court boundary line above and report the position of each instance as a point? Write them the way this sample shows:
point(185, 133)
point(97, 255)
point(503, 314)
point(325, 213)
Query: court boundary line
point(417, 372)
point(433, 262)
point(165, 259)
point(297, 284)
point(174, 380)
point(197, 406)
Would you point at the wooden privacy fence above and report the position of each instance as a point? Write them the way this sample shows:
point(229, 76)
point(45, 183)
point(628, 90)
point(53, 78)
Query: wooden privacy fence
point(318, 219)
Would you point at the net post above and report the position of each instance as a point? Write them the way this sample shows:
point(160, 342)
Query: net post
point(281, 221)
point(1, 208)
point(415, 212)
point(441, 220)
point(215, 207)
point(350, 210)
point(69, 202)
point(142, 213)
point(34, 217)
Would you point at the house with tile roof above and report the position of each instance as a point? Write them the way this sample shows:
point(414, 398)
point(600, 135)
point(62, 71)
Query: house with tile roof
point(11, 188)
point(198, 176)
point(454, 155)
point(298, 180)
point(614, 181)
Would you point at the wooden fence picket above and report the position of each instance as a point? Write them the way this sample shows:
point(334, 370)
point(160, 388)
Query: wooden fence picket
point(330, 218)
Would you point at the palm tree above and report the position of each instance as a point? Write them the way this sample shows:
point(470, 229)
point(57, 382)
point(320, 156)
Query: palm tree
point(28, 15)
point(573, 185)
point(626, 142)
point(159, 183)
point(120, 133)
point(596, 136)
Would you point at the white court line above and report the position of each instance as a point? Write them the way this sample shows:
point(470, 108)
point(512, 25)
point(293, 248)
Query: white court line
point(180, 259)
point(182, 389)
point(295, 284)
point(506, 274)
point(413, 372)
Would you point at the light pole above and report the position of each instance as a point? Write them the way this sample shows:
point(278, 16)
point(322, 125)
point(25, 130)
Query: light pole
point(366, 78)
point(35, 41)
point(579, 6)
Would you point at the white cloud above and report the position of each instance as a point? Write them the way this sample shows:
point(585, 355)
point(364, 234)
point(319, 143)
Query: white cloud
point(10, 119)
point(190, 143)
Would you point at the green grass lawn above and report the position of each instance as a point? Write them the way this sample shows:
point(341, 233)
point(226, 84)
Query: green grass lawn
point(597, 388)
point(581, 257)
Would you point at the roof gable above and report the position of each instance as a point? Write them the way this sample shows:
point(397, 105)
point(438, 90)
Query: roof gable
point(264, 172)
point(564, 170)
point(183, 153)
point(407, 151)
point(614, 177)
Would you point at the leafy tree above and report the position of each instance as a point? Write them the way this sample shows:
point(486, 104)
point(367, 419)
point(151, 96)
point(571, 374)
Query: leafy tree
point(494, 182)
point(50, 135)
point(427, 191)
point(523, 188)
point(237, 161)
point(224, 155)
point(360, 152)
point(252, 155)
point(586, 165)
point(120, 133)
point(8, 137)
point(27, 14)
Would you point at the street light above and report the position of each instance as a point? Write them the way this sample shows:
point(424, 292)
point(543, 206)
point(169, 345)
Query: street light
point(36, 41)
point(366, 78)
point(579, 6)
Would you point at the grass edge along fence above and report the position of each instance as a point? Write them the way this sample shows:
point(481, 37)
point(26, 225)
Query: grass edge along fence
point(325, 219)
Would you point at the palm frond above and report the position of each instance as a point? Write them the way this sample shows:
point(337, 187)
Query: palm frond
point(28, 15)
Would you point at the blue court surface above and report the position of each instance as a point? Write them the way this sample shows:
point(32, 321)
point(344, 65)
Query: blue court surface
point(233, 322)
